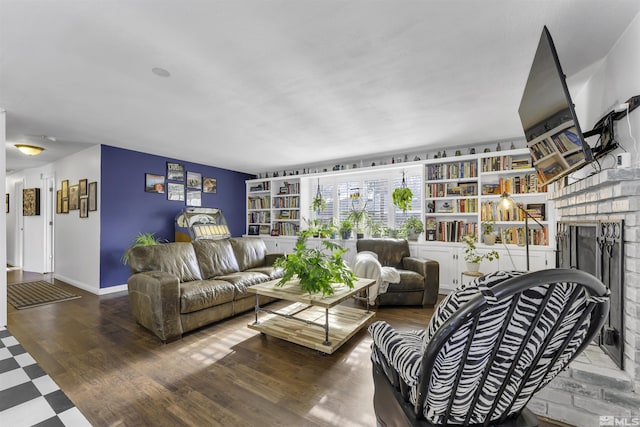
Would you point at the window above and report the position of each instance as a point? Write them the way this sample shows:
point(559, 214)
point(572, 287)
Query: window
point(378, 200)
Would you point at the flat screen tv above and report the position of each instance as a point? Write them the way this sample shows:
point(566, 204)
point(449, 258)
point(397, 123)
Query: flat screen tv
point(548, 118)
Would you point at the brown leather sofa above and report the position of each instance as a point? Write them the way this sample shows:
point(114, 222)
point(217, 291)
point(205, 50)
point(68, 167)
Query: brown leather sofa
point(178, 287)
point(419, 278)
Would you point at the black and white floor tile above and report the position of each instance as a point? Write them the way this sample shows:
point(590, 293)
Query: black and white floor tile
point(28, 396)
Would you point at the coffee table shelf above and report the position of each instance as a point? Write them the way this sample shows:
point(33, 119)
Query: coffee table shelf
point(312, 321)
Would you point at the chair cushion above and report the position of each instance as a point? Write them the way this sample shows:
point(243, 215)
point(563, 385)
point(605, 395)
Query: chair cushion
point(409, 281)
point(177, 258)
point(243, 279)
point(250, 252)
point(216, 257)
point(390, 251)
point(200, 294)
point(271, 272)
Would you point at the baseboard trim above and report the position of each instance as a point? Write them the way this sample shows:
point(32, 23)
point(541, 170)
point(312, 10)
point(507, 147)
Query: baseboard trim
point(89, 288)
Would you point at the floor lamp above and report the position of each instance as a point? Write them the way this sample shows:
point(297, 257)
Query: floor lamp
point(507, 202)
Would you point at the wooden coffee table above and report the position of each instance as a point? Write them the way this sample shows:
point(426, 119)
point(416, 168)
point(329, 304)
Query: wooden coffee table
point(313, 320)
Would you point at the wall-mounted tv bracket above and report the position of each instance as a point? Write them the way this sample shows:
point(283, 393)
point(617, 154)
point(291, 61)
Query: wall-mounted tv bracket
point(604, 126)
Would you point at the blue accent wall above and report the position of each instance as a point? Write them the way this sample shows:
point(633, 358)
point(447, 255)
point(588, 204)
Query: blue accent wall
point(126, 209)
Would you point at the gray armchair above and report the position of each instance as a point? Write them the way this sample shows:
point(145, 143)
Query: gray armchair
point(419, 278)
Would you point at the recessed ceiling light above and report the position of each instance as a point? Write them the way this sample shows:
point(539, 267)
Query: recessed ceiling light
point(160, 72)
point(29, 150)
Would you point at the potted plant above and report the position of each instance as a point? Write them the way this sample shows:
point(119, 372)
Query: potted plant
point(141, 239)
point(374, 227)
point(402, 196)
point(358, 216)
point(411, 228)
point(316, 269)
point(345, 229)
point(488, 236)
point(471, 255)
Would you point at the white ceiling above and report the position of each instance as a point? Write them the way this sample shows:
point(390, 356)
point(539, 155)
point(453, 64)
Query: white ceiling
point(261, 85)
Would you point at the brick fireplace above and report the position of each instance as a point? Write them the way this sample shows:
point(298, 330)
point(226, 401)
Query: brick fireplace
point(593, 385)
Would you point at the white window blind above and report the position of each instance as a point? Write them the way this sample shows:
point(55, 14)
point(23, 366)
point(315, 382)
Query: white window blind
point(378, 200)
point(414, 183)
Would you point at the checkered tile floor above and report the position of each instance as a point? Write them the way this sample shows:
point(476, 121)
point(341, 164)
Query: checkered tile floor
point(28, 396)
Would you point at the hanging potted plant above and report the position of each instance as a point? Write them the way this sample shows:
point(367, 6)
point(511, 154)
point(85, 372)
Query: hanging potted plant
point(318, 204)
point(471, 255)
point(402, 196)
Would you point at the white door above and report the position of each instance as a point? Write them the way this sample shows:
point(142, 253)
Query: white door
point(19, 242)
point(49, 201)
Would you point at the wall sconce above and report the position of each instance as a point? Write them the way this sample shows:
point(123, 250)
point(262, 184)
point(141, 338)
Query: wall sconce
point(29, 150)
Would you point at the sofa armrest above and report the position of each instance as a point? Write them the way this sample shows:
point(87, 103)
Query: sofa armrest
point(430, 270)
point(155, 302)
point(271, 258)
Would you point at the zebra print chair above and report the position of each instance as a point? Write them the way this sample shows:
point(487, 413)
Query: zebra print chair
point(490, 345)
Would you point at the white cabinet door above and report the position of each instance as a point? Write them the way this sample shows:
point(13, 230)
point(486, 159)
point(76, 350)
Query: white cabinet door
point(448, 260)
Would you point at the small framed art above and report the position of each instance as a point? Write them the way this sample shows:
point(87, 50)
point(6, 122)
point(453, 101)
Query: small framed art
point(74, 197)
point(175, 191)
point(153, 183)
point(194, 198)
point(93, 196)
point(65, 188)
point(83, 187)
point(194, 180)
point(84, 207)
point(254, 230)
point(30, 201)
point(65, 206)
point(209, 185)
point(59, 201)
point(175, 172)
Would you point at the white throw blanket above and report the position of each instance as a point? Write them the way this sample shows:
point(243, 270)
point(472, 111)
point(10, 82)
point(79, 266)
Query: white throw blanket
point(367, 266)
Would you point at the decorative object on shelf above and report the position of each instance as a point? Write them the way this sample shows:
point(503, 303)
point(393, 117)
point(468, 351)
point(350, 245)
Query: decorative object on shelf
point(458, 153)
point(30, 201)
point(444, 153)
point(498, 148)
point(153, 183)
point(254, 230)
point(411, 228)
point(346, 227)
point(406, 158)
point(194, 180)
point(74, 200)
point(175, 172)
point(507, 202)
point(487, 150)
point(472, 150)
point(416, 159)
point(513, 146)
point(402, 196)
point(209, 185)
point(141, 239)
point(488, 235)
point(471, 255)
point(317, 270)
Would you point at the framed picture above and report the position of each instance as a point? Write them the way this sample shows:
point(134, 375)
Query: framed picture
point(175, 172)
point(265, 229)
point(59, 201)
point(175, 191)
point(65, 206)
point(209, 185)
point(83, 187)
point(6, 201)
point(93, 196)
point(194, 198)
point(254, 230)
point(30, 201)
point(74, 193)
point(84, 207)
point(153, 183)
point(194, 180)
point(65, 188)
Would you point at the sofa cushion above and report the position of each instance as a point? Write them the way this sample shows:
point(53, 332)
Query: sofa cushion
point(250, 252)
point(200, 294)
point(216, 257)
point(409, 281)
point(243, 279)
point(390, 251)
point(271, 272)
point(177, 258)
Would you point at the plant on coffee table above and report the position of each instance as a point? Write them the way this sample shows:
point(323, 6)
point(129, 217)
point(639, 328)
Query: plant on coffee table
point(316, 269)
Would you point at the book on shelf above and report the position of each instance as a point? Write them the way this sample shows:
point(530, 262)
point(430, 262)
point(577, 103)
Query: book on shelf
point(431, 228)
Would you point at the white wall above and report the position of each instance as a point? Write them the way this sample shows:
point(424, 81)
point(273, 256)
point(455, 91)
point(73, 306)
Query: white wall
point(77, 240)
point(3, 222)
point(615, 80)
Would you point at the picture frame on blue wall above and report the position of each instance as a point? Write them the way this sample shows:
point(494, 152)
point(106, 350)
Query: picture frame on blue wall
point(209, 185)
point(194, 180)
point(93, 196)
point(175, 171)
point(153, 183)
point(194, 198)
point(175, 192)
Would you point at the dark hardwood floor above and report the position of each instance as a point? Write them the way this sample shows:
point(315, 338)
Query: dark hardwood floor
point(118, 374)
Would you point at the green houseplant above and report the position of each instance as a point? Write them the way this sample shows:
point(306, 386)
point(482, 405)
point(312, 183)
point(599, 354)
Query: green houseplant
point(488, 236)
point(411, 228)
point(358, 216)
point(315, 269)
point(346, 227)
point(472, 256)
point(141, 239)
point(402, 196)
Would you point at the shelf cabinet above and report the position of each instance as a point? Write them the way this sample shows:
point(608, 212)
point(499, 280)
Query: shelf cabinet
point(274, 206)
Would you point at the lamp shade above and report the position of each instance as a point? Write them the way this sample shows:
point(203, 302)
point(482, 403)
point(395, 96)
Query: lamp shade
point(29, 150)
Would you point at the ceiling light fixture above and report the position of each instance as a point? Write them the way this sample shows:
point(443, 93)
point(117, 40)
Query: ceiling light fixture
point(29, 150)
point(161, 72)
